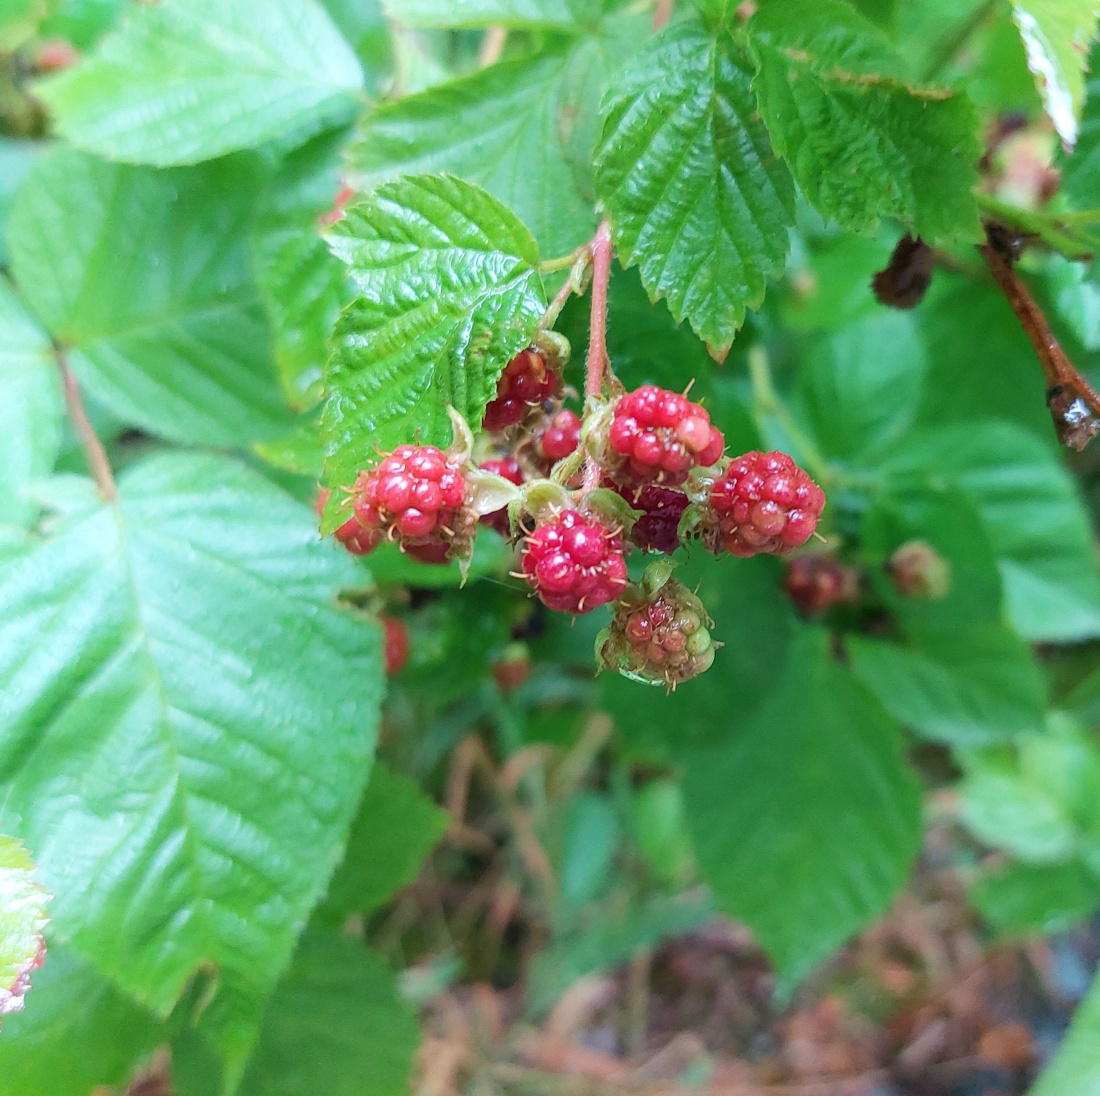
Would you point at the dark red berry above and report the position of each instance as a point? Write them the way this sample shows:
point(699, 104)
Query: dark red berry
point(509, 469)
point(357, 540)
point(818, 582)
point(763, 502)
point(415, 497)
point(574, 563)
point(661, 637)
point(657, 530)
point(657, 436)
point(561, 436)
point(396, 637)
point(527, 380)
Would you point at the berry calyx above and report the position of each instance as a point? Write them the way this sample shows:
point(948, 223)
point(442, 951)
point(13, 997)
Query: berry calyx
point(762, 502)
point(416, 497)
point(658, 436)
point(574, 563)
point(659, 633)
point(357, 540)
point(561, 436)
point(396, 644)
point(508, 468)
point(527, 380)
point(657, 530)
point(816, 583)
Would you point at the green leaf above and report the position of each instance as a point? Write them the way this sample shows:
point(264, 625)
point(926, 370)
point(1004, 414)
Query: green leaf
point(861, 386)
point(335, 1025)
point(186, 637)
point(980, 363)
point(450, 292)
point(591, 837)
point(805, 819)
point(1036, 898)
point(524, 130)
point(1075, 1069)
point(696, 196)
point(302, 283)
point(397, 826)
point(187, 80)
point(30, 408)
point(22, 920)
point(970, 687)
point(518, 14)
point(863, 144)
point(1031, 512)
point(1081, 171)
point(153, 295)
point(79, 1032)
point(1057, 35)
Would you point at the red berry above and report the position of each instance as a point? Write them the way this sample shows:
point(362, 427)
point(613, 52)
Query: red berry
point(818, 582)
point(357, 540)
point(527, 380)
point(657, 530)
point(657, 436)
point(658, 636)
point(561, 436)
point(509, 469)
point(513, 667)
point(763, 502)
point(415, 496)
point(574, 563)
point(396, 644)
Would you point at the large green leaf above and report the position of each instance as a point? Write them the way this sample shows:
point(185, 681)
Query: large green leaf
point(78, 1032)
point(145, 277)
point(22, 919)
point(335, 1025)
point(524, 130)
point(1057, 35)
point(187, 80)
point(696, 196)
point(186, 638)
point(1081, 171)
point(1036, 898)
point(30, 408)
point(396, 827)
point(1075, 1070)
point(302, 283)
point(1031, 512)
point(805, 819)
point(449, 293)
point(863, 144)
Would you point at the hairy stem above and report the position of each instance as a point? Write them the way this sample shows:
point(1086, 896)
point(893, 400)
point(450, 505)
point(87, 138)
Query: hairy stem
point(98, 463)
point(1056, 232)
point(580, 260)
point(1073, 403)
point(597, 336)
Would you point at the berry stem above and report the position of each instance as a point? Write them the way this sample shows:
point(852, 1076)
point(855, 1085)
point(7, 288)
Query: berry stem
point(768, 402)
point(1059, 232)
point(597, 338)
point(96, 455)
point(1073, 403)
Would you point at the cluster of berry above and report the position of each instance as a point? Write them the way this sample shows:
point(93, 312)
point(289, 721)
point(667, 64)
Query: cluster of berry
point(657, 477)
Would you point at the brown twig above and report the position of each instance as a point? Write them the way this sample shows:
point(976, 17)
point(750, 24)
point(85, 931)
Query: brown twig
point(597, 336)
point(1073, 403)
point(98, 463)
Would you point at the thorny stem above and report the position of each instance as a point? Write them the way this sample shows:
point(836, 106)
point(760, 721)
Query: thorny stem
point(768, 402)
point(96, 455)
point(1056, 232)
point(601, 249)
point(1073, 403)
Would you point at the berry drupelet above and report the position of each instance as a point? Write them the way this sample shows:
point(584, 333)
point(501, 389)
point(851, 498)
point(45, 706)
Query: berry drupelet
point(561, 436)
point(574, 563)
point(763, 502)
point(657, 436)
point(527, 380)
